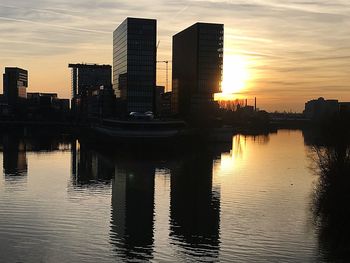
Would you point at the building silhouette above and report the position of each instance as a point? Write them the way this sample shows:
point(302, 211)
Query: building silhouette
point(134, 64)
point(163, 102)
point(321, 109)
point(46, 106)
point(197, 68)
point(90, 84)
point(86, 76)
point(18, 104)
point(15, 83)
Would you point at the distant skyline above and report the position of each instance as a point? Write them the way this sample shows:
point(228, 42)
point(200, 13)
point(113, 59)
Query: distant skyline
point(285, 53)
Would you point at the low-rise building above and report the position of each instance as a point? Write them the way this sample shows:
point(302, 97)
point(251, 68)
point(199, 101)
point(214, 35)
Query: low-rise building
point(320, 108)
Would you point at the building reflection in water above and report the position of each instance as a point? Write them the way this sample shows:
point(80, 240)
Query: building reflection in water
point(194, 203)
point(14, 156)
point(132, 220)
point(132, 209)
point(89, 167)
point(195, 206)
point(15, 147)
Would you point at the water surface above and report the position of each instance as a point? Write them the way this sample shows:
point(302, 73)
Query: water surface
point(246, 201)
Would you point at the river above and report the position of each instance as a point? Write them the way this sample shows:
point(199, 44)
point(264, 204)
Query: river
point(246, 201)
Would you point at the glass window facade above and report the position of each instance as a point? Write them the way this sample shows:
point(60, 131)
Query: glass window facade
point(86, 76)
point(197, 66)
point(134, 63)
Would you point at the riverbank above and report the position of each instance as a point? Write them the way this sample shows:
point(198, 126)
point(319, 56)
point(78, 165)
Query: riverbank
point(160, 132)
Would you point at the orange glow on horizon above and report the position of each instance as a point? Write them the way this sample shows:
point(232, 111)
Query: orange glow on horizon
point(227, 96)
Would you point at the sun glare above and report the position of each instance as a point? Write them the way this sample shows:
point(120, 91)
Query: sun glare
point(231, 160)
point(235, 74)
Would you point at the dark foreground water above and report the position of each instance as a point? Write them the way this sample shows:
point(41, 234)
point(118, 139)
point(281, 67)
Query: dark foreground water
point(247, 201)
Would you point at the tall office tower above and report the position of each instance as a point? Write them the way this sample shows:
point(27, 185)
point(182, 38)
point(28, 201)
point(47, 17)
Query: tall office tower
point(197, 67)
point(134, 64)
point(86, 76)
point(15, 83)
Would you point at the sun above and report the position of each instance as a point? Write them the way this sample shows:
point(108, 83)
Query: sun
point(235, 75)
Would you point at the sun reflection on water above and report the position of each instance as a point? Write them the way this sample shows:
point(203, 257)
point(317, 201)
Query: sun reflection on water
point(229, 161)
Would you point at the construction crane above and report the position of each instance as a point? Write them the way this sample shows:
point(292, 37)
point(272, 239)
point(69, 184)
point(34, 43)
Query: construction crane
point(167, 67)
point(167, 70)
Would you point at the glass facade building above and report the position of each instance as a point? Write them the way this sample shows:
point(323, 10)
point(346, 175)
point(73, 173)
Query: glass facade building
point(85, 76)
point(91, 91)
point(197, 67)
point(134, 64)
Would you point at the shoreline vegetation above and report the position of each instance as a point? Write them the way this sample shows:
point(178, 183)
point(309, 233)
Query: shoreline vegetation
point(330, 162)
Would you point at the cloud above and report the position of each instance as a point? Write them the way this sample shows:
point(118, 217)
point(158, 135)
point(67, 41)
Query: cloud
point(54, 25)
point(301, 44)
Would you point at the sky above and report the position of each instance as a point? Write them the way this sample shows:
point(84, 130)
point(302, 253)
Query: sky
point(285, 51)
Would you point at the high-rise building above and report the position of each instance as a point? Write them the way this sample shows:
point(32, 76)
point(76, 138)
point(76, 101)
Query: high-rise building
point(15, 83)
point(134, 64)
point(197, 67)
point(87, 81)
point(85, 76)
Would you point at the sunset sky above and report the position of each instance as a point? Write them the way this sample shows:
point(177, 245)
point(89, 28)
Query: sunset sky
point(284, 52)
